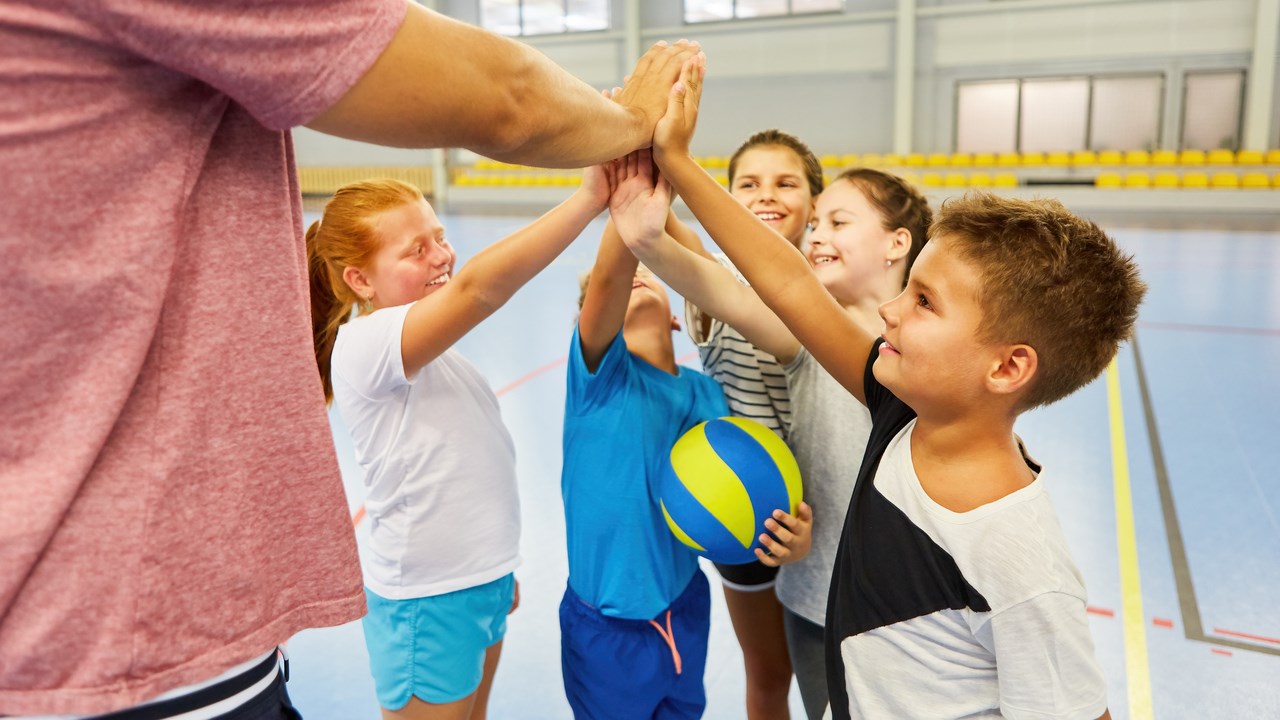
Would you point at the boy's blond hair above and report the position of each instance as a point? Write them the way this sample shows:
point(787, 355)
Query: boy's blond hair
point(1048, 279)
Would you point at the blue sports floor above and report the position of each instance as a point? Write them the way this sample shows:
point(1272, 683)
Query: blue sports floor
point(1167, 482)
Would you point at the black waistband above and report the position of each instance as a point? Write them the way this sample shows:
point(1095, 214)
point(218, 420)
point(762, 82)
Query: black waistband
point(201, 698)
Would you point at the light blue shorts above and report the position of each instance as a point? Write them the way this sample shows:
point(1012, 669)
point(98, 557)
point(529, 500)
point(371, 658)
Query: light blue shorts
point(434, 647)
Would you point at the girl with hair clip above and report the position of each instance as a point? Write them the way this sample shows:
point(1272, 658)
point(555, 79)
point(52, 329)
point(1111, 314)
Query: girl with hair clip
point(439, 462)
point(777, 177)
point(868, 227)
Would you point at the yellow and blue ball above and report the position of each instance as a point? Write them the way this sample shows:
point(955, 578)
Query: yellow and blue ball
point(724, 477)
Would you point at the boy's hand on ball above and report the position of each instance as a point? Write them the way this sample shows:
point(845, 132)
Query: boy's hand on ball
point(794, 536)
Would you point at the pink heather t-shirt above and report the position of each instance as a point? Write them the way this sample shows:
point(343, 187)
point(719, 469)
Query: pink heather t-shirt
point(172, 504)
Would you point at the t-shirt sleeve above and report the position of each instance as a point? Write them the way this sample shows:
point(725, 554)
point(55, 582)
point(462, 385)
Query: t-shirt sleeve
point(587, 390)
point(1045, 659)
point(285, 61)
point(369, 358)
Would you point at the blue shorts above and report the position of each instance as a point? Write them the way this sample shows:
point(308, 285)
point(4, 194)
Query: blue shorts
point(617, 669)
point(434, 647)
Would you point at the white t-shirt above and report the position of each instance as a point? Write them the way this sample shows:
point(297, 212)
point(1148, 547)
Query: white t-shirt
point(438, 460)
point(943, 663)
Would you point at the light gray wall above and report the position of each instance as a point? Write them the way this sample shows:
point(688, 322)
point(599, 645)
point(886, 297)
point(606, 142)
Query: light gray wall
point(829, 79)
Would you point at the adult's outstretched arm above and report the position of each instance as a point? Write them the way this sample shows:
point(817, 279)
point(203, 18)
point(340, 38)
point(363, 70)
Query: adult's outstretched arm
point(444, 83)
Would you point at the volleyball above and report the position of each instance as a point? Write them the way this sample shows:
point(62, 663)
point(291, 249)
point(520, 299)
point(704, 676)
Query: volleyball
point(723, 478)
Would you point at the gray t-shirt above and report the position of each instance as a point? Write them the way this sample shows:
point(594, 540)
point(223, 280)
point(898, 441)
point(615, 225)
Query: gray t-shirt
point(829, 430)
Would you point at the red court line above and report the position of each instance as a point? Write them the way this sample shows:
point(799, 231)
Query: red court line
point(1220, 651)
point(1100, 611)
point(529, 376)
point(1161, 622)
point(1247, 636)
point(1211, 328)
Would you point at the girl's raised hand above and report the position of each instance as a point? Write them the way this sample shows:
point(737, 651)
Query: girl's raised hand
point(640, 201)
point(675, 130)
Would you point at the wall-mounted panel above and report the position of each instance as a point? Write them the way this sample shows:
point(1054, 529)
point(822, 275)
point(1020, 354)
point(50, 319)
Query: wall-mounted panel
point(839, 48)
point(595, 62)
point(1095, 31)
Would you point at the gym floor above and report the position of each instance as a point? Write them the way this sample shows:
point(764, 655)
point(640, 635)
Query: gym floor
point(1164, 475)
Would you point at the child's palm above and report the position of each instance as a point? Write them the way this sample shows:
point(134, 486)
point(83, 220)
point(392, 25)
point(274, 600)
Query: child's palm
point(638, 205)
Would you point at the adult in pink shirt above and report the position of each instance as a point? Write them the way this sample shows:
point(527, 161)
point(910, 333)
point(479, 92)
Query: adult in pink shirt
point(172, 504)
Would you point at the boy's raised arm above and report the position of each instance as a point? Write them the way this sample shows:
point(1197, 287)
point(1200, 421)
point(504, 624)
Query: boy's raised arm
point(604, 308)
point(775, 269)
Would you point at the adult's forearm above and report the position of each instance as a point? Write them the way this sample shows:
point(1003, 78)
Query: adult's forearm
point(444, 83)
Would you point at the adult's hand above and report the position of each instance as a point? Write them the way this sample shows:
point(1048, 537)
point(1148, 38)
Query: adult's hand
point(646, 89)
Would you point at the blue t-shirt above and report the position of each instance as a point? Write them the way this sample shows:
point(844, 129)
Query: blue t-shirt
point(619, 426)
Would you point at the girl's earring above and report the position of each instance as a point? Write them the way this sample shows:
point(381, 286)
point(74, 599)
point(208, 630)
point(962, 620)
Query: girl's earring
point(888, 263)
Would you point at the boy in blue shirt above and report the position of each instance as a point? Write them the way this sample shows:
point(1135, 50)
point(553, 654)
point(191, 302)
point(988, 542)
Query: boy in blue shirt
point(636, 613)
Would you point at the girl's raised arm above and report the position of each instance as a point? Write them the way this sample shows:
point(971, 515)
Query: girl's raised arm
point(776, 271)
point(490, 278)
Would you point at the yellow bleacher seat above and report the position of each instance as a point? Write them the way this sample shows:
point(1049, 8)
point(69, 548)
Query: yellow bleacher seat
point(1005, 180)
point(1191, 157)
point(980, 180)
point(1164, 157)
point(1108, 180)
point(1058, 159)
point(1255, 181)
point(1224, 181)
point(463, 179)
point(892, 160)
point(1137, 181)
point(829, 161)
point(1275, 181)
point(914, 160)
point(961, 159)
point(872, 160)
point(715, 162)
point(1137, 157)
point(984, 159)
point(1195, 180)
point(938, 160)
point(1007, 159)
point(1249, 157)
point(1165, 180)
point(1273, 157)
point(1032, 158)
point(722, 179)
point(914, 178)
point(1221, 157)
point(1084, 157)
point(1110, 157)
point(931, 180)
point(849, 160)
point(955, 180)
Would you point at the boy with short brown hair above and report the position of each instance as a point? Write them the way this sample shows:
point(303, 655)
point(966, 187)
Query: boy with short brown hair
point(954, 593)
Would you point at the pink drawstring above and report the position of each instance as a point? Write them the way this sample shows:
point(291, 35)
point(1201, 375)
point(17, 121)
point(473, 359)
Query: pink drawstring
point(670, 636)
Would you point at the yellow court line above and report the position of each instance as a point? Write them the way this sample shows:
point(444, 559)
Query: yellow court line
point(1137, 668)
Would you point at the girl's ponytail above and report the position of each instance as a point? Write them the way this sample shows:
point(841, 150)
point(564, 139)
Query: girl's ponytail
point(345, 237)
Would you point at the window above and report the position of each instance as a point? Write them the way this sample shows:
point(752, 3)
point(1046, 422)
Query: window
point(1059, 114)
point(543, 17)
point(698, 11)
point(1211, 110)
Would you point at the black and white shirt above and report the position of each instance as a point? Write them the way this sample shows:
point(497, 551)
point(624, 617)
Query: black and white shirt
point(939, 614)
